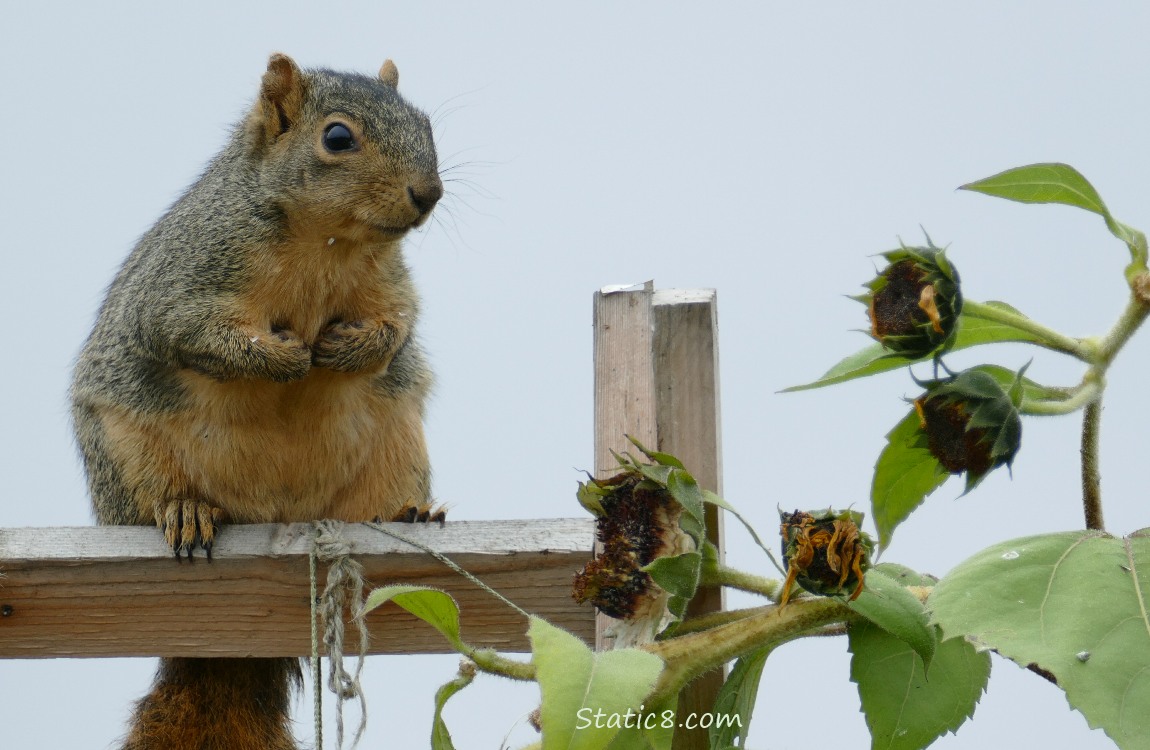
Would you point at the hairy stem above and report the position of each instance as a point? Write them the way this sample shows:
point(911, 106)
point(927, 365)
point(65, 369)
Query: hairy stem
point(721, 575)
point(1132, 317)
point(1083, 395)
point(1091, 477)
point(714, 619)
point(691, 655)
point(1047, 337)
point(493, 663)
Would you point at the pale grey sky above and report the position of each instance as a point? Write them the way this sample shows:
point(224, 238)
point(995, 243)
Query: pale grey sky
point(765, 150)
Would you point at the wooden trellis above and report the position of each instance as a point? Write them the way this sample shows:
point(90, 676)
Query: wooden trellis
point(117, 591)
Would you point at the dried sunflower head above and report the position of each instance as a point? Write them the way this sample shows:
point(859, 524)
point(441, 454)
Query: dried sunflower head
point(914, 303)
point(825, 552)
point(971, 423)
point(638, 522)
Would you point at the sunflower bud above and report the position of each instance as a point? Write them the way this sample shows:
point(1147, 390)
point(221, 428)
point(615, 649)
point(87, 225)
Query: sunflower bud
point(971, 423)
point(637, 522)
point(914, 303)
point(825, 552)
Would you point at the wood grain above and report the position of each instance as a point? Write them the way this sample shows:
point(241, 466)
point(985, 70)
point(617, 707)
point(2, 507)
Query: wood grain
point(624, 386)
point(688, 417)
point(657, 379)
point(118, 591)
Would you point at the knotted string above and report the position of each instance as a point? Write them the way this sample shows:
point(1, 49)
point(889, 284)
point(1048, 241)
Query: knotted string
point(344, 580)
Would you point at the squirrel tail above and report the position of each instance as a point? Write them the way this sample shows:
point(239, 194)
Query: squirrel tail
point(217, 704)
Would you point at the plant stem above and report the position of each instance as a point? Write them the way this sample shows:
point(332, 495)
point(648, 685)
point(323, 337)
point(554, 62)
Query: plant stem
point(721, 575)
point(1091, 477)
point(715, 619)
point(1083, 395)
point(696, 653)
point(1047, 337)
point(493, 663)
point(1132, 317)
point(1099, 354)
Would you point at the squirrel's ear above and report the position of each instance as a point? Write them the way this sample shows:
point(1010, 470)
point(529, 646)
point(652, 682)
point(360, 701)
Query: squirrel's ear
point(389, 74)
point(281, 99)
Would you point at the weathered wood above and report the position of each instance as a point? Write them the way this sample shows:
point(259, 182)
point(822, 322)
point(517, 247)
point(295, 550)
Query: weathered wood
point(118, 591)
point(624, 385)
point(687, 416)
point(624, 372)
point(657, 379)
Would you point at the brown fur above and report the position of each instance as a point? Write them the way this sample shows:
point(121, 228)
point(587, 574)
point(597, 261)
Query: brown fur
point(255, 362)
point(217, 704)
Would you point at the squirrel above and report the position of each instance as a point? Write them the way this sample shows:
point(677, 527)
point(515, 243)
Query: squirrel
point(254, 361)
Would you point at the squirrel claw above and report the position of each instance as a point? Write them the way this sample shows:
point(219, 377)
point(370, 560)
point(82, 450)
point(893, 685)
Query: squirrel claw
point(412, 513)
point(186, 523)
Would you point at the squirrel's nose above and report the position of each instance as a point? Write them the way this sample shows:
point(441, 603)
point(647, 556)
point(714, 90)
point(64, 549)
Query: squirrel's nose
point(425, 195)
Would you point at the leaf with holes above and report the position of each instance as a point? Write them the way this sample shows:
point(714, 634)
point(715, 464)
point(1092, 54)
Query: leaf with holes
point(1076, 605)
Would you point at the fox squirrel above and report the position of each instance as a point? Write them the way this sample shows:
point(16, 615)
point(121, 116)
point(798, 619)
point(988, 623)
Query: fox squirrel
point(254, 361)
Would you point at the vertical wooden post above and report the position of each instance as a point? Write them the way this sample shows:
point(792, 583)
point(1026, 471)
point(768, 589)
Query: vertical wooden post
point(624, 384)
point(687, 416)
point(656, 378)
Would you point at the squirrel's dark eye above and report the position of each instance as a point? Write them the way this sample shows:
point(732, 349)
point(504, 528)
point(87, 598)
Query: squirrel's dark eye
point(337, 137)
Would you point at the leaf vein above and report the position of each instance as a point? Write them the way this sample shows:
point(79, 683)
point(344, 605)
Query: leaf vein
point(1137, 585)
point(905, 699)
point(1126, 693)
point(1050, 586)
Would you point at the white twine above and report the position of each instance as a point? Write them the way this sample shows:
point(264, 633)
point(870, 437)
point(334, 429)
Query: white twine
point(344, 580)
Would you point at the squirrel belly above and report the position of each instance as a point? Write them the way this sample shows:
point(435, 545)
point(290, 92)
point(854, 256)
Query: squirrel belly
point(330, 444)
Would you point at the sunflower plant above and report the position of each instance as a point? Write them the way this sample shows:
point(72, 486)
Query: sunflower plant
point(1070, 606)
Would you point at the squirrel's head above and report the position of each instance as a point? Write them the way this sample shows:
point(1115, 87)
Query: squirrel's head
point(343, 154)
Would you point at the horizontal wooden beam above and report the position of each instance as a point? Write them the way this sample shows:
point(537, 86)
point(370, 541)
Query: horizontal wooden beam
point(118, 591)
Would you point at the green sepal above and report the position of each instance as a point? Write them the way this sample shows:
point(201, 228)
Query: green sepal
point(678, 576)
point(989, 407)
point(666, 459)
point(931, 269)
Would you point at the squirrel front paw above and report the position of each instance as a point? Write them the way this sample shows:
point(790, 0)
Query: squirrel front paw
point(355, 346)
point(186, 523)
point(284, 355)
point(417, 513)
